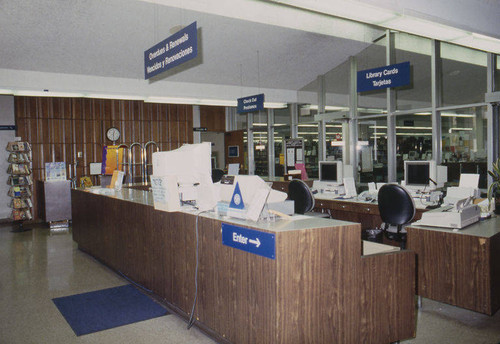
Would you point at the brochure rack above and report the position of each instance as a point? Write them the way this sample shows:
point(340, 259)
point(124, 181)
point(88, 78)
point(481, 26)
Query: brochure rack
point(20, 181)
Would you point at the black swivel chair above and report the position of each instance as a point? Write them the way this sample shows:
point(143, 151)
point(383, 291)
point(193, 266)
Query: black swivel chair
point(396, 208)
point(301, 194)
point(303, 198)
point(217, 174)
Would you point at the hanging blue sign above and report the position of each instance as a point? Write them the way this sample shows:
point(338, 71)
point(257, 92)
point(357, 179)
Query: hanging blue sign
point(251, 103)
point(249, 240)
point(7, 127)
point(182, 46)
point(384, 77)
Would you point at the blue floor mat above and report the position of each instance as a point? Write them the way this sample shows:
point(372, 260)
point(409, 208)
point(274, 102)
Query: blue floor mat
point(104, 309)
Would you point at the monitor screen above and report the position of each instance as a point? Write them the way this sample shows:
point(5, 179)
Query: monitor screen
point(417, 173)
point(233, 151)
point(330, 171)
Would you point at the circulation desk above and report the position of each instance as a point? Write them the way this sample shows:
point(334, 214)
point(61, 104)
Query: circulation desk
point(364, 212)
point(320, 288)
point(461, 268)
point(354, 210)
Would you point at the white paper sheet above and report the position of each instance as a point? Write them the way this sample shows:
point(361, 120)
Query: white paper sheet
point(372, 187)
point(233, 169)
point(290, 156)
point(469, 180)
point(350, 187)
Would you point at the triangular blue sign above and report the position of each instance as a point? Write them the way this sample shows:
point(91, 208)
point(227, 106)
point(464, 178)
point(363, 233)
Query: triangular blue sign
point(237, 199)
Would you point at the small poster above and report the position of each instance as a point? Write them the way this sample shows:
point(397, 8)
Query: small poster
point(112, 159)
point(55, 171)
point(165, 193)
point(299, 156)
point(86, 182)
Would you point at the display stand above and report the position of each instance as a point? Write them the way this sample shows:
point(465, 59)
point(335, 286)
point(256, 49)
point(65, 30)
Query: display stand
point(20, 181)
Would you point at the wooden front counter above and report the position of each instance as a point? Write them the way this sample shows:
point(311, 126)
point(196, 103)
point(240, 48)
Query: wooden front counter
point(319, 289)
point(459, 268)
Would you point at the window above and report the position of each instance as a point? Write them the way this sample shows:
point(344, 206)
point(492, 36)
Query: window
point(334, 141)
point(417, 51)
point(413, 139)
point(372, 57)
point(282, 121)
point(497, 73)
point(337, 88)
point(309, 132)
point(463, 75)
point(372, 150)
point(464, 143)
point(260, 145)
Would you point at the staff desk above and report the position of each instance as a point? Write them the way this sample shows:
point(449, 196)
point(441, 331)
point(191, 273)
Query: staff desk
point(461, 268)
point(353, 210)
point(364, 212)
point(320, 288)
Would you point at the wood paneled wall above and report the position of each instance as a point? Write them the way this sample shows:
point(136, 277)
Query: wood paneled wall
point(61, 128)
point(213, 118)
point(235, 138)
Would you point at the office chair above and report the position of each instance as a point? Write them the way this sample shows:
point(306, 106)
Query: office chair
point(301, 194)
point(303, 198)
point(396, 208)
point(217, 174)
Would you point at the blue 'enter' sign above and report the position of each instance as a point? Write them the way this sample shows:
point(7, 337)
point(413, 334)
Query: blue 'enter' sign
point(249, 240)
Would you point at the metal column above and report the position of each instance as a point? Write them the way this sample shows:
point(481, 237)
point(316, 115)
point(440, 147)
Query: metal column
point(196, 123)
point(294, 120)
point(270, 143)
point(322, 122)
point(250, 151)
point(391, 118)
point(491, 116)
point(436, 100)
point(353, 118)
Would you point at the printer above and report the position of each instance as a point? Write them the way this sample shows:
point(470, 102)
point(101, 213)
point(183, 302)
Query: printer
point(329, 189)
point(460, 215)
point(456, 193)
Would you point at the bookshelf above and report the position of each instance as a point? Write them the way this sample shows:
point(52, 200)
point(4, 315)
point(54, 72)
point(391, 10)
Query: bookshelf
point(20, 181)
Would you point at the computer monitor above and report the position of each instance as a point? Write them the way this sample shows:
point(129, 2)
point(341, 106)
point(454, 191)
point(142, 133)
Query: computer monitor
point(331, 171)
point(191, 165)
point(418, 174)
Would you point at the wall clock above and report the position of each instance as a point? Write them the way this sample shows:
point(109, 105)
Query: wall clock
point(113, 134)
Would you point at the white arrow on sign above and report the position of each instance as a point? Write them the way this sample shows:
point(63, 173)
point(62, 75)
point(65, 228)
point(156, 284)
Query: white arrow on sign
point(255, 242)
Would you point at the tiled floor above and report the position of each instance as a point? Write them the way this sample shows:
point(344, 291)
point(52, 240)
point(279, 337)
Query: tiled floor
point(36, 266)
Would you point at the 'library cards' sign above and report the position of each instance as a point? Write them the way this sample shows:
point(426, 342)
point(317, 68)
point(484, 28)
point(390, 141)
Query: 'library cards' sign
point(251, 103)
point(182, 46)
point(249, 240)
point(384, 77)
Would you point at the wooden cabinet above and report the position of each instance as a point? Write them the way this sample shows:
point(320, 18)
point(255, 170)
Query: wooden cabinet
point(459, 268)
